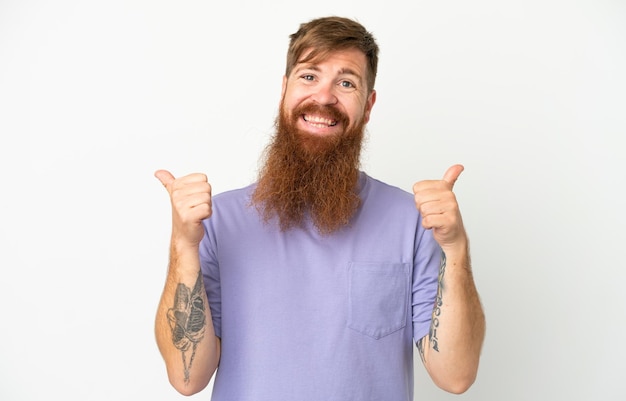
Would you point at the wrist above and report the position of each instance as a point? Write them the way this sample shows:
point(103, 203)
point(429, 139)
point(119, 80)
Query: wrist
point(184, 258)
point(181, 244)
point(457, 254)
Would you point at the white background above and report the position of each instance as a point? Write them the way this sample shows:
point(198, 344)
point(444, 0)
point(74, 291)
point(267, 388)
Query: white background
point(96, 95)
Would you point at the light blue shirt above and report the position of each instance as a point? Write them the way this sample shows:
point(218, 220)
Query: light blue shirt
point(302, 316)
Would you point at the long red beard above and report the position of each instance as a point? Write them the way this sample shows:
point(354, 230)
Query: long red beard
point(310, 175)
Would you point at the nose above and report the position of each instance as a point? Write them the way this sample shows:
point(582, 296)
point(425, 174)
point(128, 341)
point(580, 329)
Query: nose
point(324, 94)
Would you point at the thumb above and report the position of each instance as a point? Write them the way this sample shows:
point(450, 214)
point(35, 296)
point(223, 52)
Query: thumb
point(165, 177)
point(452, 174)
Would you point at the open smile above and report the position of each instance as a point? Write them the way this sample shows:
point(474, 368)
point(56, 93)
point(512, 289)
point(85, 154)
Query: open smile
point(319, 122)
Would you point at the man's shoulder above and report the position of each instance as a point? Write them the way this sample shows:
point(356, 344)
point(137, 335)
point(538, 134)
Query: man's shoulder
point(385, 200)
point(230, 195)
point(233, 202)
point(376, 187)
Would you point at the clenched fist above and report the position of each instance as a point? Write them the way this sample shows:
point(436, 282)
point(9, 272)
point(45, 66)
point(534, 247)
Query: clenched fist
point(439, 209)
point(191, 203)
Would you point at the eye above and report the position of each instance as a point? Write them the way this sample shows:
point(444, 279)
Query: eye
point(347, 85)
point(308, 77)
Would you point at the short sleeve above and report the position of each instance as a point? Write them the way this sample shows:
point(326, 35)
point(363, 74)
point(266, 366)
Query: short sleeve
point(426, 264)
point(209, 266)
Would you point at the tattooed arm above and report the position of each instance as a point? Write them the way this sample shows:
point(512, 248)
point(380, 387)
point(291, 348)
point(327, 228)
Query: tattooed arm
point(451, 350)
point(183, 326)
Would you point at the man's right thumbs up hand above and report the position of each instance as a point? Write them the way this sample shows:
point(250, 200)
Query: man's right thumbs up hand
point(191, 203)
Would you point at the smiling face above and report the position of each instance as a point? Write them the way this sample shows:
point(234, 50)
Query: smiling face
point(312, 163)
point(311, 167)
point(330, 96)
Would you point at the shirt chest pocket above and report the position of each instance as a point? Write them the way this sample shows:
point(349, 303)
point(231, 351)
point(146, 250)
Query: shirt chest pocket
point(378, 297)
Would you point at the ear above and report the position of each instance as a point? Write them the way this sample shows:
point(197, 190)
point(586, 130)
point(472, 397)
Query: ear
point(284, 88)
point(371, 99)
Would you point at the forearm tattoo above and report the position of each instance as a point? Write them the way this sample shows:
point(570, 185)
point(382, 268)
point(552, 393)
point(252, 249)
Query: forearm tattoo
point(434, 323)
point(187, 319)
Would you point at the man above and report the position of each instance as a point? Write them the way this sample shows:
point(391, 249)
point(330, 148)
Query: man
point(313, 283)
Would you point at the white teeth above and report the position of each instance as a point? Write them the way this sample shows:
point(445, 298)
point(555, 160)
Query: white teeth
point(320, 121)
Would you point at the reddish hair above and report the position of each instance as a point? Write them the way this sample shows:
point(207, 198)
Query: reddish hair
point(322, 36)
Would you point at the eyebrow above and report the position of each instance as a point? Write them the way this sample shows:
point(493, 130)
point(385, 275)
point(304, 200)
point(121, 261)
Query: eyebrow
point(349, 71)
point(314, 67)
